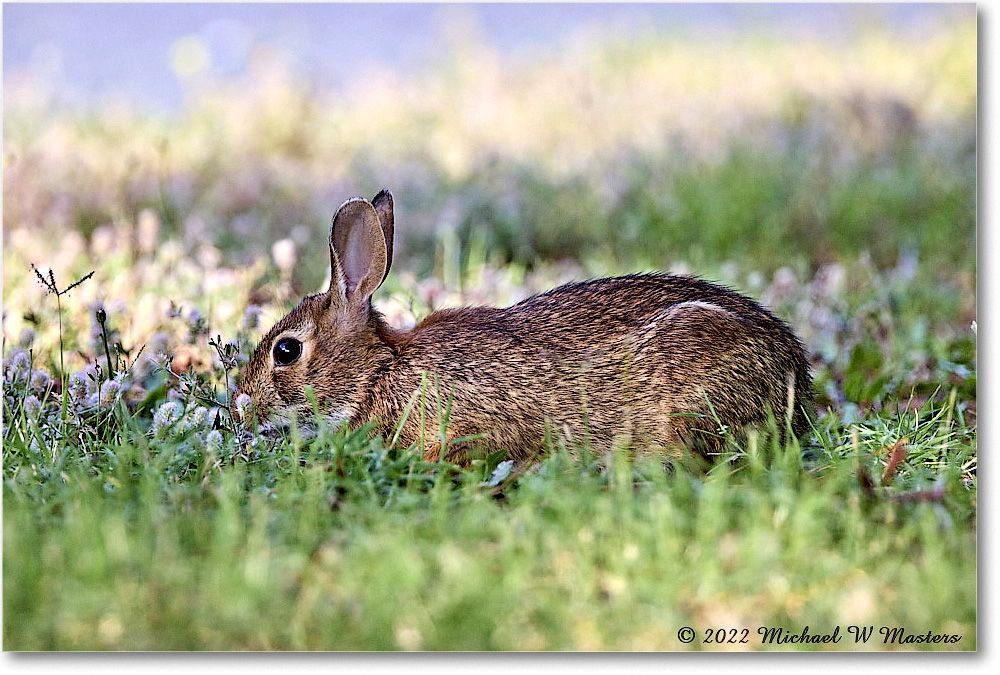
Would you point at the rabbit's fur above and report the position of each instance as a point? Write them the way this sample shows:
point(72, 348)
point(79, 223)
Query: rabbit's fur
point(654, 361)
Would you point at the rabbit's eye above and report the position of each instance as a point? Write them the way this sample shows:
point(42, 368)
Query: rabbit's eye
point(286, 351)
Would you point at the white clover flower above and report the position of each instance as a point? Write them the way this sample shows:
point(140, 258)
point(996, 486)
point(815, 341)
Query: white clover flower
point(79, 383)
point(20, 360)
point(40, 380)
point(32, 406)
point(18, 364)
point(198, 418)
point(213, 440)
point(109, 392)
point(242, 404)
point(165, 417)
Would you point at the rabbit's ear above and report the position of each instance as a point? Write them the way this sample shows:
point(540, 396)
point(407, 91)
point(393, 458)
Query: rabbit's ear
point(359, 259)
point(383, 207)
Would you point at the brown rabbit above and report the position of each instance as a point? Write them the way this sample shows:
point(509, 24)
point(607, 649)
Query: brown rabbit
point(654, 361)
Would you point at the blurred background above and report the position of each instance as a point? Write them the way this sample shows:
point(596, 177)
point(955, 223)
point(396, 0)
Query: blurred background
point(821, 158)
point(146, 54)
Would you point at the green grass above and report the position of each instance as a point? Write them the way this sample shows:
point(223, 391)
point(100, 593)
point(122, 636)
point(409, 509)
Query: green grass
point(840, 198)
point(126, 527)
point(347, 544)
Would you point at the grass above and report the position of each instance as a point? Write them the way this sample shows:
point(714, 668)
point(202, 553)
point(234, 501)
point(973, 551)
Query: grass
point(129, 526)
point(348, 544)
point(133, 520)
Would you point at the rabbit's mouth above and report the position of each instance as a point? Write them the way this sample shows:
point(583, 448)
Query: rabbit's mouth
point(275, 430)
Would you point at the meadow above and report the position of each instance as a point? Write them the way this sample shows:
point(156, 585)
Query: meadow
point(834, 182)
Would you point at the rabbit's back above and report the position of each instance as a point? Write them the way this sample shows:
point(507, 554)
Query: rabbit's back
point(661, 361)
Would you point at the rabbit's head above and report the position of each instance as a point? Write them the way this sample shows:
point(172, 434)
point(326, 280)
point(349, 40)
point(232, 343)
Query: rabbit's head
point(331, 341)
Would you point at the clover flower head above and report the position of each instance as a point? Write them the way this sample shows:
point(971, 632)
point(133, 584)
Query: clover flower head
point(198, 417)
point(32, 406)
point(109, 392)
point(165, 417)
point(40, 380)
point(242, 404)
point(213, 440)
point(17, 365)
point(79, 383)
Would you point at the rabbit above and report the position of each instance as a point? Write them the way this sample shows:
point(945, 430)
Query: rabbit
point(649, 361)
